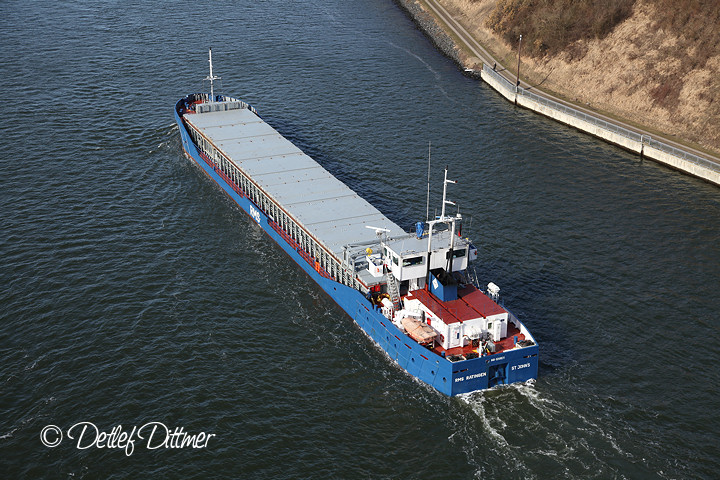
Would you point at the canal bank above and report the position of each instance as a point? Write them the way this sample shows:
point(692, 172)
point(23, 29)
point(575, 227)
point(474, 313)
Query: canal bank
point(445, 33)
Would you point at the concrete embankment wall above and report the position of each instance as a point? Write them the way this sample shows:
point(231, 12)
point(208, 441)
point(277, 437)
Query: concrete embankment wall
point(633, 141)
point(498, 86)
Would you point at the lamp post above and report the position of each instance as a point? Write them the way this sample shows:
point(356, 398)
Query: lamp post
point(517, 80)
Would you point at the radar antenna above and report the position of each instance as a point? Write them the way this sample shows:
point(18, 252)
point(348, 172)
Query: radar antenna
point(378, 231)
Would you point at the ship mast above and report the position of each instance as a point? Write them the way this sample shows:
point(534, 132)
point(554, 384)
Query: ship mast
point(450, 221)
point(445, 201)
point(211, 77)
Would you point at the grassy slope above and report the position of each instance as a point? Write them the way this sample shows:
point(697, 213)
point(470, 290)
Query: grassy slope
point(653, 62)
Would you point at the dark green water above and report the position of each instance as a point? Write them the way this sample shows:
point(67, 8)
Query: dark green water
point(134, 291)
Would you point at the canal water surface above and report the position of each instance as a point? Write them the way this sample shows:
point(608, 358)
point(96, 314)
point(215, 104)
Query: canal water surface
point(134, 292)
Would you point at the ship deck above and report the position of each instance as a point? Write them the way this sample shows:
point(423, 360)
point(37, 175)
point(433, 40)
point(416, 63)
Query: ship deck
point(471, 303)
point(327, 208)
point(504, 344)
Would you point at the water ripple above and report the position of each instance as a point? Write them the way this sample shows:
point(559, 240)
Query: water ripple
point(133, 290)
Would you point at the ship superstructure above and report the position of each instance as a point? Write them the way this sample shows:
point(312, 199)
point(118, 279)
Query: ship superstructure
point(412, 293)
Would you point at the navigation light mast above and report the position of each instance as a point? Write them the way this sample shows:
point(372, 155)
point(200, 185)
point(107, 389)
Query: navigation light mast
point(211, 77)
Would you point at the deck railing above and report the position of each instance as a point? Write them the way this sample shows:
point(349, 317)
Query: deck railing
point(510, 88)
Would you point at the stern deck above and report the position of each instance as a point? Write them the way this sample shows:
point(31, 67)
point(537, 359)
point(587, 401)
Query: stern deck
point(507, 343)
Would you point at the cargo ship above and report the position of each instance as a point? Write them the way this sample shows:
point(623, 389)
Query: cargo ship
point(413, 293)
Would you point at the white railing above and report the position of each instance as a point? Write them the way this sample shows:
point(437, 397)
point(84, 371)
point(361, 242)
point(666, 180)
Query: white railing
point(510, 88)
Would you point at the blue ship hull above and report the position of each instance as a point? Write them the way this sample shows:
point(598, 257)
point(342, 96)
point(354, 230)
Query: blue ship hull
point(450, 378)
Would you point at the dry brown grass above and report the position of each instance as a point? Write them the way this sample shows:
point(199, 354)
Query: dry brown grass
point(659, 66)
point(552, 26)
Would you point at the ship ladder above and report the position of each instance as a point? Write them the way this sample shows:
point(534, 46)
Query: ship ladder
point(473, 278)
point(394, 291)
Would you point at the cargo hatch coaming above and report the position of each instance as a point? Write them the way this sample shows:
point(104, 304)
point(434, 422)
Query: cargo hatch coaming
point(335, 215)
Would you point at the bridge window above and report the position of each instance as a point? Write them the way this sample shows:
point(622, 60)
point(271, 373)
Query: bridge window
point(412, 261)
